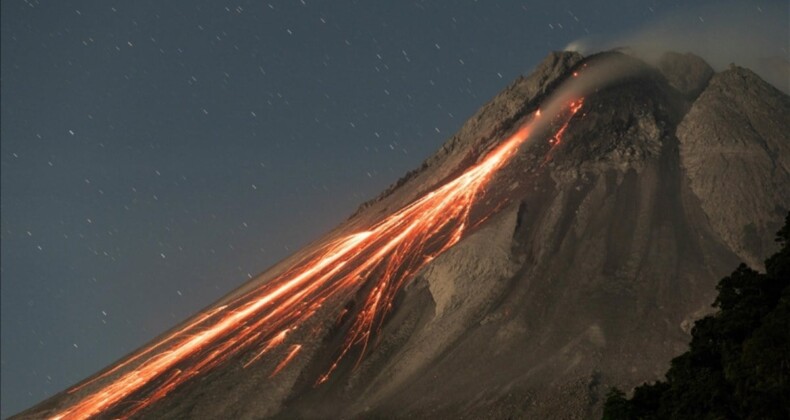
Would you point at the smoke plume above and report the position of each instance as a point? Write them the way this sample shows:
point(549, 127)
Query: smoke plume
point(755, 35)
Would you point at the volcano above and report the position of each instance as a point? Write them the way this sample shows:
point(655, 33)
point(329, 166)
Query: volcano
point(562, 242)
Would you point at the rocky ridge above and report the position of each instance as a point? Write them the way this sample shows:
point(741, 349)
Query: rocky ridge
point(735, 148)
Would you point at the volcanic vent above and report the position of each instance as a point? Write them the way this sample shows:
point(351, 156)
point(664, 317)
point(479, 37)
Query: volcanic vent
point(560, 243)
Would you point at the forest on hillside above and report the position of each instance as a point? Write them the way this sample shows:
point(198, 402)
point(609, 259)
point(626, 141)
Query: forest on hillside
point(738, 362)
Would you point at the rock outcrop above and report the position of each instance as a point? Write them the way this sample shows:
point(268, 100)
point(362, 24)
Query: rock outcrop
point(735, 149)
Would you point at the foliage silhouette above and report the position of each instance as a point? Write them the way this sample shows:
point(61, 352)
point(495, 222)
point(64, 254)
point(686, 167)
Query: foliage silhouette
point(738, 362)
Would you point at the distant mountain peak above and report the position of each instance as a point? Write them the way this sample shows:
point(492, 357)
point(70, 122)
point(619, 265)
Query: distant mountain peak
point(688, 73)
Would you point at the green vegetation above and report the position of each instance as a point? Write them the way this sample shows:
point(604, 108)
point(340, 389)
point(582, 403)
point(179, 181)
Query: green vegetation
point(738, 363)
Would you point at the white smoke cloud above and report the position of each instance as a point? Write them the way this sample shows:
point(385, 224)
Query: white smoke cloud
point(755, 35)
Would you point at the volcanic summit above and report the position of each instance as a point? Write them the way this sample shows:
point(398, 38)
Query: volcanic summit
point(562, 242)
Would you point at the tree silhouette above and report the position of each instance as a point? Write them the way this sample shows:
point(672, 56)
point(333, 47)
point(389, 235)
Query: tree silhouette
point(738, 362)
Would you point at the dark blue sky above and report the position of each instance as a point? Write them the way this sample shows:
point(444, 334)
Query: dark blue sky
point(156, 154)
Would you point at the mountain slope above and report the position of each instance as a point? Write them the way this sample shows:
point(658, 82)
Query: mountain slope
point(585, 261)
point(610, 258)
point(736, 135)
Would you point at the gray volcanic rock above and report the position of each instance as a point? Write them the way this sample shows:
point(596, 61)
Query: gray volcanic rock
point(604, 248)
point(687, 73)
point(735, 148)
point(477, 134)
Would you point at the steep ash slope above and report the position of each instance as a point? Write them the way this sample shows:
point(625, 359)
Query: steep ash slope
point(590, 278)
point(735, 147)
point(602, 246)
point(487, 126)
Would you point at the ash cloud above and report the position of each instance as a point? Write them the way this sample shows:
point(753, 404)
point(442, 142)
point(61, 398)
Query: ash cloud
point(755, 35)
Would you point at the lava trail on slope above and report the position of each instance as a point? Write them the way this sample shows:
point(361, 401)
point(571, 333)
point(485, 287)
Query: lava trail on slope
point(382, 259)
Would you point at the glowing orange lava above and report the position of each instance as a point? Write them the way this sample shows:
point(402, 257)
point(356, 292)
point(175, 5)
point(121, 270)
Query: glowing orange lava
point(378, 262)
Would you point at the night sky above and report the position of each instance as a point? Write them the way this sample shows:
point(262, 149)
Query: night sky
point(157, 154)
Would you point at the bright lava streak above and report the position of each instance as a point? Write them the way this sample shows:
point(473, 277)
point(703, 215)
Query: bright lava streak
point(378, 261)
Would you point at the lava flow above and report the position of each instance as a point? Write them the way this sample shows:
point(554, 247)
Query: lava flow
point(378, 262)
